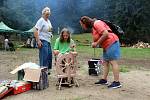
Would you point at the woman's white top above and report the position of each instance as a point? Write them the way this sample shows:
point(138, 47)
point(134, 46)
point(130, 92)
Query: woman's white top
point(44, 29)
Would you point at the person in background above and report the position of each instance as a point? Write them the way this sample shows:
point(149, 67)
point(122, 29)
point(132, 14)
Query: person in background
point(43, 33)
point(33, 42)
point(64, 43)
point(104, 37)
point(6, 44)
point(28, 42)
point(11, 46)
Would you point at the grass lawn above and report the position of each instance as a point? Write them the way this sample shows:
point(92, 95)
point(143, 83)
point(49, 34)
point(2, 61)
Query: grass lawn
point(130, 57)
point(126, 52)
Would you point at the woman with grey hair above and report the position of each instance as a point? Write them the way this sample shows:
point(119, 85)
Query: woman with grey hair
point(43, 35)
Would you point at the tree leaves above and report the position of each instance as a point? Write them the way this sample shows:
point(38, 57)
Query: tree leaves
point(131, 15)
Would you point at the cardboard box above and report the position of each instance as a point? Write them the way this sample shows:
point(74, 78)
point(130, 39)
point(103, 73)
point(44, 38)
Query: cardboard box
point(20, 88)
point(24, 66)
point(43, 80)
point(31, 72)
point(32, 75)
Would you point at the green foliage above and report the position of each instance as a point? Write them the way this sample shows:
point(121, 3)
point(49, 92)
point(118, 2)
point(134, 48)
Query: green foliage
point(131, 15)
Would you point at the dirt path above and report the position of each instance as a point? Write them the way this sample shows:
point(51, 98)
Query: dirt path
point(136, 84)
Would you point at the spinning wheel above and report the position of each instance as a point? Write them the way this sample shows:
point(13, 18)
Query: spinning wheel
point(66, 67)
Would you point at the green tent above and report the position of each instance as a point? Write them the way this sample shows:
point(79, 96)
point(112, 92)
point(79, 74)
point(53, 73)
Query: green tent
point(5, 28)
point(31, 30)
point(28, 32)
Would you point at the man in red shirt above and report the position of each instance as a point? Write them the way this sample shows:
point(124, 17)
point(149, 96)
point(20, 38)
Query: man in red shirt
point(102, 36)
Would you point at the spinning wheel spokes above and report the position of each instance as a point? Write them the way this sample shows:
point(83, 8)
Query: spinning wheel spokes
point(66, 69)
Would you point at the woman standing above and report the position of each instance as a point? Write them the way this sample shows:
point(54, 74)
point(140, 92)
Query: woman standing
point(43, 34)
point(104, 37)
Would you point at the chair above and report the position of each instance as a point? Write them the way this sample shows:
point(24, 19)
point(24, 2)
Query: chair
point(66, 66)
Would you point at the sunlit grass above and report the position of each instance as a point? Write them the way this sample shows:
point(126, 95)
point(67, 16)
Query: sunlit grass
point(87, 52)
point(126, 52)
point(134, 53)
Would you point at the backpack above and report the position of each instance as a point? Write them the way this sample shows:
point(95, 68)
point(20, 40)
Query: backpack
point(115, 28)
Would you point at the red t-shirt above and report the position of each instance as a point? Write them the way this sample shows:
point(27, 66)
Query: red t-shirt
point(97, 30)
